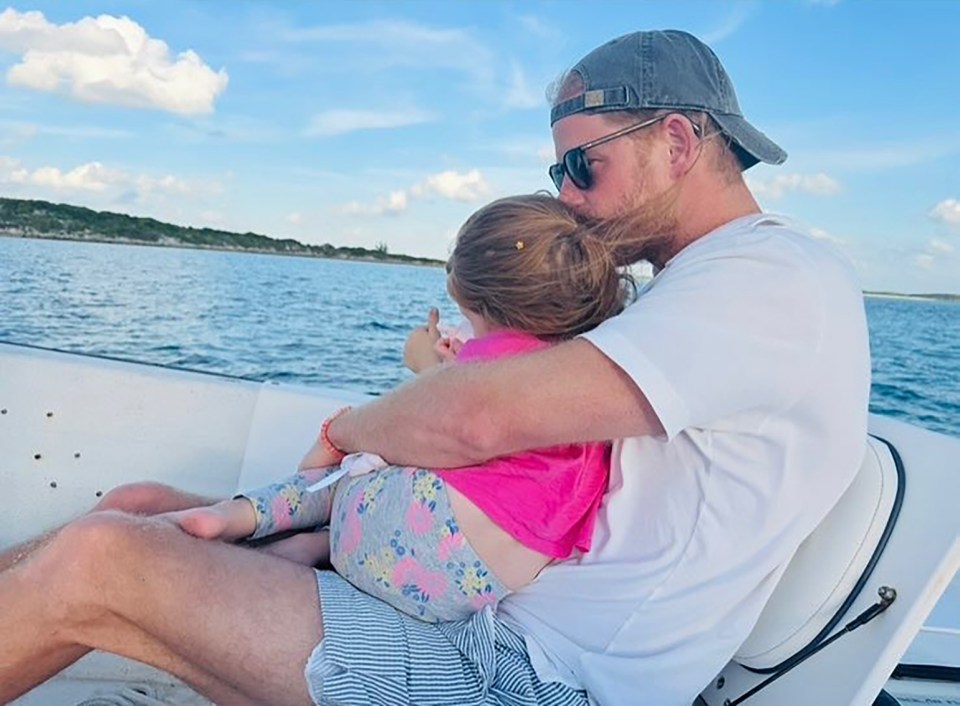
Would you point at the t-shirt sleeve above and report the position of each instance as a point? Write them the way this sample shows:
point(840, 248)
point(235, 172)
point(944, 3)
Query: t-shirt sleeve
point(719, 335)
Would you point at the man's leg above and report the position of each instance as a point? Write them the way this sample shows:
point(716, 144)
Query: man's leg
point(141, 588)
point(145, 498)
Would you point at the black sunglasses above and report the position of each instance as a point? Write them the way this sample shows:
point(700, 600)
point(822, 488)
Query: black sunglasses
point(574, 163)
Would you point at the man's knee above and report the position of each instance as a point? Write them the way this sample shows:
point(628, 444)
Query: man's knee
point(75, 563)
point(144, 498)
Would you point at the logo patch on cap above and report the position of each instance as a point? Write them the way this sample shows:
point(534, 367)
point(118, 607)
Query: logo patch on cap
point(593, 99)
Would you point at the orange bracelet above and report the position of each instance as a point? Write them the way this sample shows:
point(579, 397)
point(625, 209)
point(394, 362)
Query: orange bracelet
point(325, 435)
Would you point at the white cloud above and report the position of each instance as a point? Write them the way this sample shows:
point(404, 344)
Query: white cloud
point(817, 184)
point(451, 185)
point(340, 122)
point(821, 234)
point(947, 211)
point(92, 176)
point(739, 15)
point(295, 218)
point(537, 27)
point(396, 202)
point(924, 261)
point(519, 94)
point(107, 60)
point(882, 156)
point(171, 185)
point(98, 178)
point(940, 246)
point(469, 186)
point(401, 43)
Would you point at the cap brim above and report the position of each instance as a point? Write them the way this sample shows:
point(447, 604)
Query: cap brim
point(754, 145)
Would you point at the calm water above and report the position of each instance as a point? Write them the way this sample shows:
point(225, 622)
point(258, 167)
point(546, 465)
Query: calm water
point(343, 324)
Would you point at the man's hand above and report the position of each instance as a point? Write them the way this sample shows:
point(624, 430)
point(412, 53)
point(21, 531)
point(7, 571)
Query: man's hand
point(420, 352)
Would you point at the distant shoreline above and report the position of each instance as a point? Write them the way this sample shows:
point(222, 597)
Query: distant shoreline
point(386, 260)
point(339, 254)
point(43, 220)
point(917, 297)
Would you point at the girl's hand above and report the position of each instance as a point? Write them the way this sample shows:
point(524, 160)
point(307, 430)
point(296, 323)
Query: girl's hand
point(319, 456)
point(419, 352)
point(448, 348)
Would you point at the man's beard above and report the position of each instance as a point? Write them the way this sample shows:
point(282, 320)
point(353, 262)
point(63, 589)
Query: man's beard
point(645, 230)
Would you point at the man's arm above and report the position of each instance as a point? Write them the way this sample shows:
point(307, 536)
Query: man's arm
point(465, 414)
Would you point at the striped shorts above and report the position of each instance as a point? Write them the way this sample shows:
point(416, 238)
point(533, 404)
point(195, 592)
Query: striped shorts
point(372, 654)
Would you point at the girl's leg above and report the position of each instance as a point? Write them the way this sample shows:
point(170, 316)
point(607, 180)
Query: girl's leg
point(289, 505)
point(307, 548)
point(394, 536)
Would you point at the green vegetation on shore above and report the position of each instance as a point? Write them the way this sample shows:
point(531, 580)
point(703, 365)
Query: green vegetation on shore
point(42, 219)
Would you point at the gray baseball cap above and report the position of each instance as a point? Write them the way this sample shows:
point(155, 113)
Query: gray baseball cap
point(666, 69)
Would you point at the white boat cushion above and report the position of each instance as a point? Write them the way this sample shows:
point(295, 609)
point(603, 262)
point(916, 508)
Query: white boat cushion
point(827, 565)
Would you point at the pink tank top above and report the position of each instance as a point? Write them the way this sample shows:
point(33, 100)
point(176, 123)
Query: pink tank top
point(547, 499)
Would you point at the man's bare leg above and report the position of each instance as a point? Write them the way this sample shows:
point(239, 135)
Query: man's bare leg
point(145, 498)
point(140, 587)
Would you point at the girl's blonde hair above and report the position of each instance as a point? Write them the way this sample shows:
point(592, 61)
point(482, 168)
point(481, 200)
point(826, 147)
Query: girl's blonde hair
point(532, 263)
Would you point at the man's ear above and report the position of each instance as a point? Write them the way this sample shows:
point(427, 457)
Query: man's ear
point(683, 144)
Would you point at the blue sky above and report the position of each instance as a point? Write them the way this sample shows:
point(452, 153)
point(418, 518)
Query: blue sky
point(367, 122)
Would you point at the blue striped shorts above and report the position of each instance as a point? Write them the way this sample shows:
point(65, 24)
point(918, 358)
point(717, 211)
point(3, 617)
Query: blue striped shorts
point(372, 654)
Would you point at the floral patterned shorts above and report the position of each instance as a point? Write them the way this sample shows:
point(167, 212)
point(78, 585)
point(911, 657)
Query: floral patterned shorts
point(393, 536)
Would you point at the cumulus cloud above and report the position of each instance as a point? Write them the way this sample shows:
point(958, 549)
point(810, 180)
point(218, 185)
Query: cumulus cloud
point(92, 176)
point(107, 59)
point(821, 234)
point(940, 246)
point(450, 185)
point(536, 26)
point(817, 184)
point(947, 211)
point(392, 204)
point(95, 177)
point(340, 122)
point(469, 186)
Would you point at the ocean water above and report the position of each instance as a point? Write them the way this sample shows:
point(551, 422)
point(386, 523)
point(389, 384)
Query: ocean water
point(342, 324)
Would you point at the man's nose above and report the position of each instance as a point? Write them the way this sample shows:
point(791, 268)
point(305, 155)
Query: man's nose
point(569, 193)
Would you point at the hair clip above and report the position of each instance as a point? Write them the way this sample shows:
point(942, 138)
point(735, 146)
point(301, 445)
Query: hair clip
point(519, 245)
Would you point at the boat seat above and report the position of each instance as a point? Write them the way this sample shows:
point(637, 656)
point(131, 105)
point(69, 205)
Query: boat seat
point(831, 567)
point(896, 526)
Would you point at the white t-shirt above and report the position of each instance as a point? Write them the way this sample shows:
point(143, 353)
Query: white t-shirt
point(751, 346)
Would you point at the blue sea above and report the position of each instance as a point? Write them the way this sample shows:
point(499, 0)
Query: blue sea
point(342, 324)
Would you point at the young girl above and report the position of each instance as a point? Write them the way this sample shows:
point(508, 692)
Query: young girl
point(439, 544)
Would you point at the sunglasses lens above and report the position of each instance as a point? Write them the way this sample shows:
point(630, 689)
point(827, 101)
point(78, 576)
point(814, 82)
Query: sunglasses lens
point(575, 164)
point(556, 175)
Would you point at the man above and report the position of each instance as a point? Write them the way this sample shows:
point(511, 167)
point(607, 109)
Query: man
point(737, 385)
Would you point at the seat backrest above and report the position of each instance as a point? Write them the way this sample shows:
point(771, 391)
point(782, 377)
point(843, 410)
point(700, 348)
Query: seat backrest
point(831, 566)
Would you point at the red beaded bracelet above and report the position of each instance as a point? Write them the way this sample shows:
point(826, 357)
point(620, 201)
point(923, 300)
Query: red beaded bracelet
point(325, 435)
